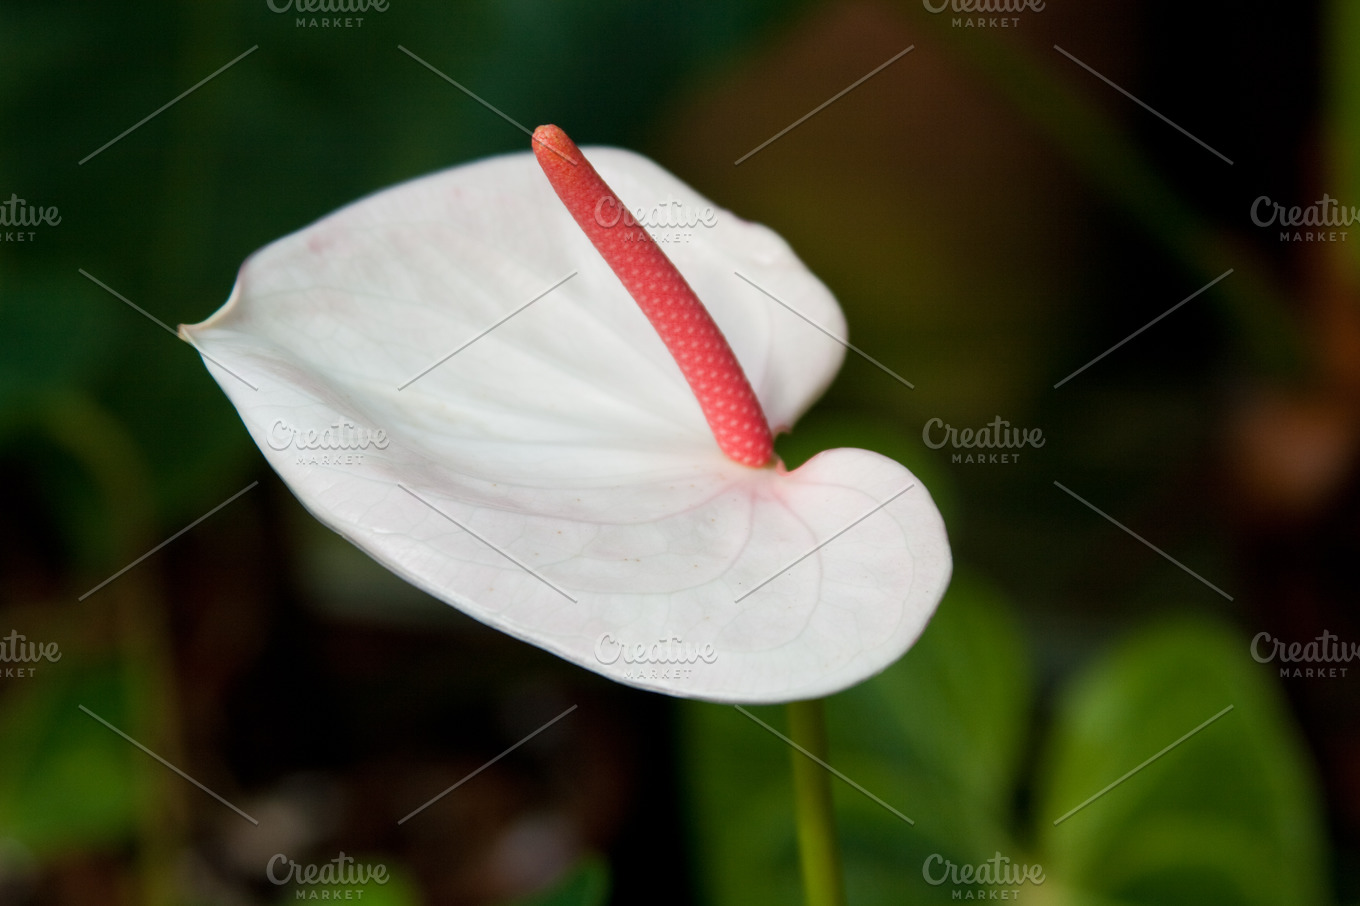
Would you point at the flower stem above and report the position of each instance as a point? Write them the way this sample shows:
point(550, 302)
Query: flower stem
point(820, 854)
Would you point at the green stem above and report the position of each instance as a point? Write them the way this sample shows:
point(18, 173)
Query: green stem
point(821, 857)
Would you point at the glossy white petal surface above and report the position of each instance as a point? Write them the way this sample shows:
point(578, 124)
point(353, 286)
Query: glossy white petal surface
point(555, 477)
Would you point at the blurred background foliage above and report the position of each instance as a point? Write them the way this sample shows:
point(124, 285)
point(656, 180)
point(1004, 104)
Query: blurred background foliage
point(989, 215)
point(949, 734)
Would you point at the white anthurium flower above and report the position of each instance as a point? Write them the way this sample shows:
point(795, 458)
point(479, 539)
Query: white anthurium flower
point(448, 374)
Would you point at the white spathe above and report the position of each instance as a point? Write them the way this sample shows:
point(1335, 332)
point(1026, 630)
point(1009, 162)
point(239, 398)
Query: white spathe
point(556, 478)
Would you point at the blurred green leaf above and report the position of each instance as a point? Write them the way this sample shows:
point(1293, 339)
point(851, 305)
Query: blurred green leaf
point(956, 710)
point(938, 736)
point(65, 781)
point(741, 806)
point(585, 885)
point(1228, 816)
